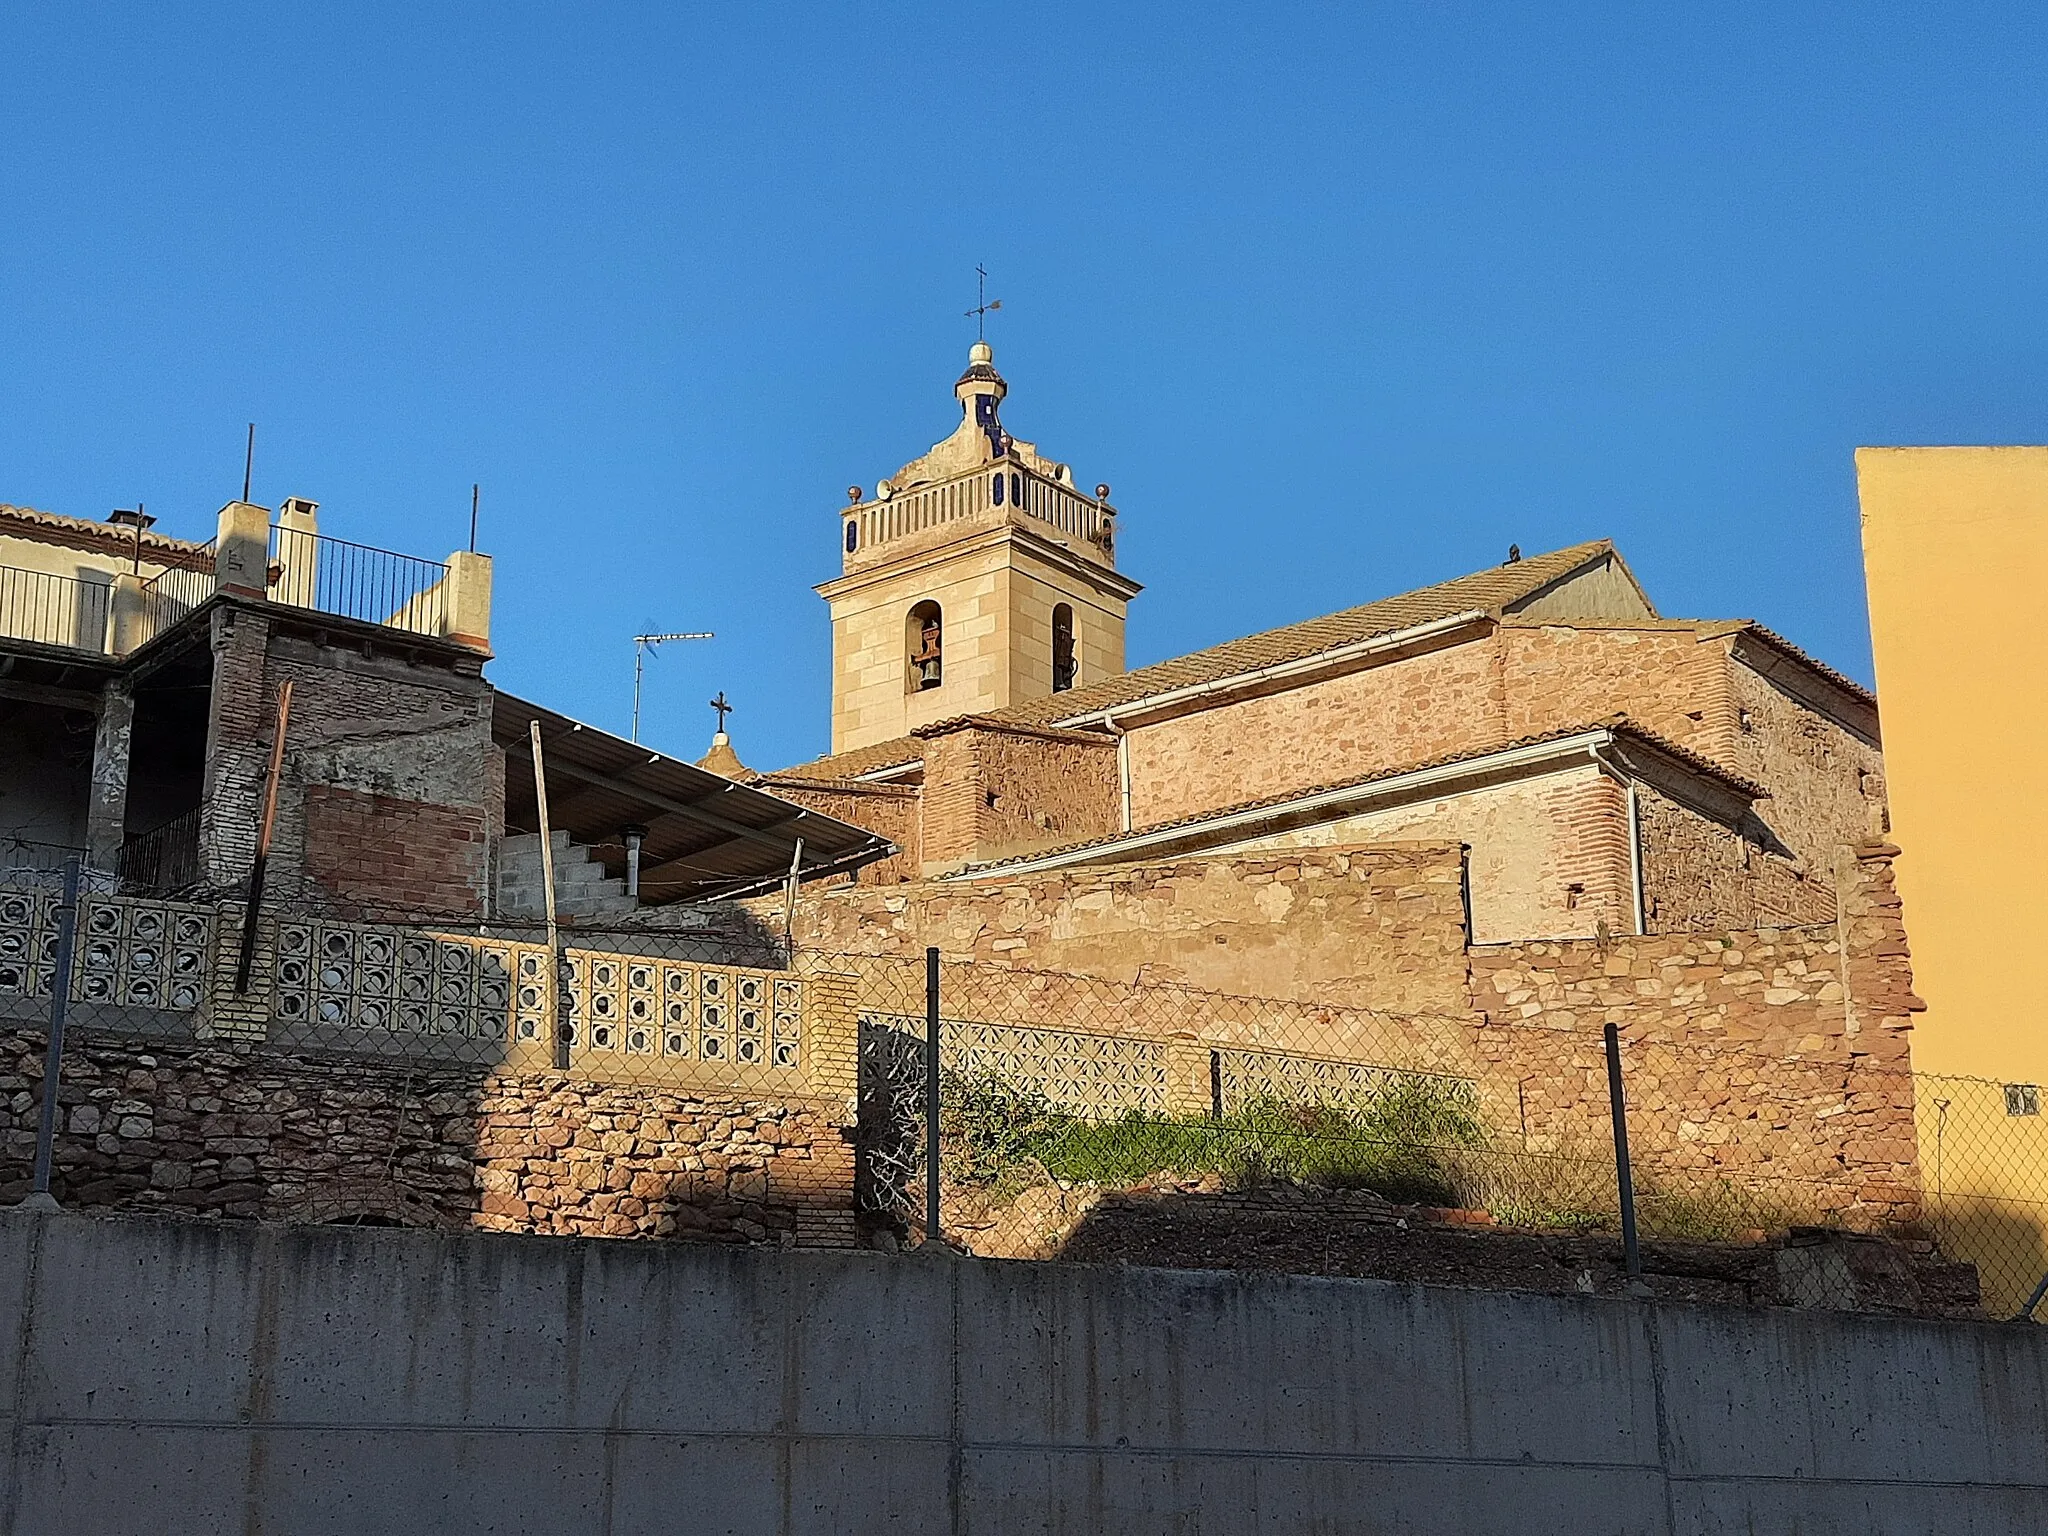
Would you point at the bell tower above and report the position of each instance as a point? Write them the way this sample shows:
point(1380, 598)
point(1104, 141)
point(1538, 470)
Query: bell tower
point(974, 578)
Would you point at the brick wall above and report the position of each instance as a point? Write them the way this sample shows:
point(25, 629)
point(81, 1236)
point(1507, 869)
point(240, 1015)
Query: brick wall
point(1379, 927)
point(997, 790)
point(241, 715)
point(244, 1133)
point(388, 854)
point(414, 735)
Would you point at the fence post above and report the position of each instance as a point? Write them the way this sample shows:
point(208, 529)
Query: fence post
point(931, 1095)
point(39, 1197)
point(1624, 1180)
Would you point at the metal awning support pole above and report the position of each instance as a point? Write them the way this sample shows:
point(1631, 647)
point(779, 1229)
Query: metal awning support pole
point(248, 955)
point(556, 1032)
point(39, 1197)
point(796, 861)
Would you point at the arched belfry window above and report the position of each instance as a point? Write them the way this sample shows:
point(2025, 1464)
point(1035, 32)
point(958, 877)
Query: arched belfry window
point(925, 642)
point(1062, 647)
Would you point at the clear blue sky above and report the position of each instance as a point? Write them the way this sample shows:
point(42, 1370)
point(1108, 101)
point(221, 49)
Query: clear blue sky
point(1341, 299)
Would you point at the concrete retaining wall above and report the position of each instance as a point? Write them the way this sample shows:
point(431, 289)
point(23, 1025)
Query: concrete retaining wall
point(163, 1376)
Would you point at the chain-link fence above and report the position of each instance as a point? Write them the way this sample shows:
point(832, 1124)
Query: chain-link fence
point(1984, 1164)
point(1060, 1095)
point(679, 1074)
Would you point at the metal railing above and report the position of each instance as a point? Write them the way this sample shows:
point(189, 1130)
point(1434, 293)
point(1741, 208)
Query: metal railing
point(310, 570)
point(163, 859)
point(46, 609)
point(1047, 501)
point(174, 592)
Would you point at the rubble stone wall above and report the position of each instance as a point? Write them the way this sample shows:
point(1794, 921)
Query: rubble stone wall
point(1700, 873)
point(995, 791)
point(1328, 732)
point(253, 1133)
point(1826, 779)
point(1377, 927)
point(1762, 1054)
point(889, 810)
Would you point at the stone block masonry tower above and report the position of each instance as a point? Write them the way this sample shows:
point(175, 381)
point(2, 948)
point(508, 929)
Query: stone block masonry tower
point(975, 577)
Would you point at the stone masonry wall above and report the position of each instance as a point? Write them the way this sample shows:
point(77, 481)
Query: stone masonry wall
point(1379, 927)
point(1700, 874)
point(1762, 1054)
point(1548, 859)
point(1774, 1061)
point(1826, 781)
point(253, 1133)
point(1664, 679)
point(995, 791)
point(890, 810)
point(1343, 728)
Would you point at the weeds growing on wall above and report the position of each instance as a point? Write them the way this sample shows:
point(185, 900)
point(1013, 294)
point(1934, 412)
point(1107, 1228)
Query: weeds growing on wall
point(1403, 1142)
point(1415, 1141)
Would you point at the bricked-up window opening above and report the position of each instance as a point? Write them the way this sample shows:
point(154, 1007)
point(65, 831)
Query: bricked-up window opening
point(926, 642)
point(2022, 1099)
point(1062, 647)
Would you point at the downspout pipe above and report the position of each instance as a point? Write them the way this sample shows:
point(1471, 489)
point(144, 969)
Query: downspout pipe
point(1123, 767)
point(1635, 834)
point(1635, 853)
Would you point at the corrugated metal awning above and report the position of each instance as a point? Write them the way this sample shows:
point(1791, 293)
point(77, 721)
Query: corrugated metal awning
point(706, 836)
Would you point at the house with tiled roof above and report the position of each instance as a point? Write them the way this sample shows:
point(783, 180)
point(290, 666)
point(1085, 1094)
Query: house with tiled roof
point(1603, 767)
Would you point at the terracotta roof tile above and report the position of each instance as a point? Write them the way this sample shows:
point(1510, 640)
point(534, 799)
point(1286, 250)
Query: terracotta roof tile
point(1487, 590)
point(896, 752)
point(109, 535)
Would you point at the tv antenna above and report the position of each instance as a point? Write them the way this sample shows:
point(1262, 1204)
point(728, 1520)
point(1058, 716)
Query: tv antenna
point(644, 643)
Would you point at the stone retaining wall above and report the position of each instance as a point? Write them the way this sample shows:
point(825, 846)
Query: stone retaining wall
point(252, 1133)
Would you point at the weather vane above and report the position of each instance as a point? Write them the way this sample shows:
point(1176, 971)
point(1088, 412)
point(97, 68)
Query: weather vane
point(982, 302)
point(723, 709)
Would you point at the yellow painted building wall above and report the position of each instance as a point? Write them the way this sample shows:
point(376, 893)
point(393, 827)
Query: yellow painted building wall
point(1955, 548)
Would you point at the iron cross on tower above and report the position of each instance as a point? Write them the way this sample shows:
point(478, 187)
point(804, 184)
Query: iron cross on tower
point(983, 304)
point(723, 709)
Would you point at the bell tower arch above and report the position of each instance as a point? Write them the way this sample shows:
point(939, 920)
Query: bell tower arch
point(975, 577)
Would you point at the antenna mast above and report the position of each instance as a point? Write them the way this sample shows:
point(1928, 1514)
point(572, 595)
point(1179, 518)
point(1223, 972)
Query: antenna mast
point(641, 645)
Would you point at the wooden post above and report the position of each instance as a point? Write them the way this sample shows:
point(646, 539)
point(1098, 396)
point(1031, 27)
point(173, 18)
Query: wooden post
point(263, 831)
point(796, 861)
point(547, 896)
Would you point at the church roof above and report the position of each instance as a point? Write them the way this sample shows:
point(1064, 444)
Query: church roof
point(1613, 726)
point(1487, 591)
